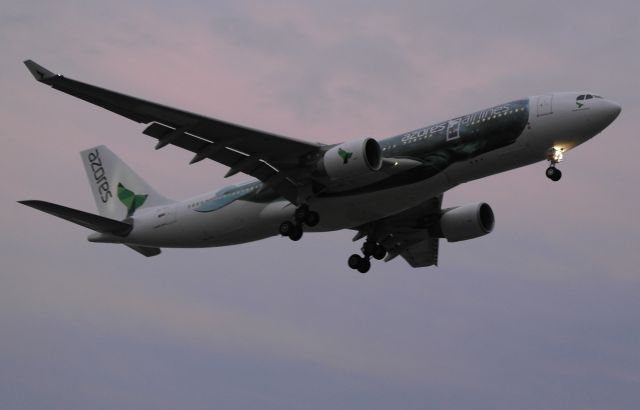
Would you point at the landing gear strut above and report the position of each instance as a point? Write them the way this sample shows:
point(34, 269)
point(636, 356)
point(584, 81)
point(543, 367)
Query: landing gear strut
point(369, 249)
point(554, 156)
point(305, 216)
point(302, 216)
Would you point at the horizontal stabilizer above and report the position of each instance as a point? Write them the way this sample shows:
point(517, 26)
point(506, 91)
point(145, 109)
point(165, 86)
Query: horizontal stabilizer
point(94, 222)
point(145, 250)
point(40, 73)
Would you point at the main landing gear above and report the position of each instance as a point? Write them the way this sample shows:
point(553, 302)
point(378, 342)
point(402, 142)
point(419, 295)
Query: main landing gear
point(554, 156)
point(369, 249)
point(302, 216)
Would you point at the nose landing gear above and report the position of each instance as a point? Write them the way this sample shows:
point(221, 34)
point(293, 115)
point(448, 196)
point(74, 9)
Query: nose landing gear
point(302, 216)
point(553, 173)
point(369, 249)
point(554, 156)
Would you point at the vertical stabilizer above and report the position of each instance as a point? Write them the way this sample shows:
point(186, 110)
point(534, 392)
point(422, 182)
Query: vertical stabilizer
point(119, 192)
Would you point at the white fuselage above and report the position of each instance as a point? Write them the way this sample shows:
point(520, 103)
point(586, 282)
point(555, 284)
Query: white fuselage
point(555, 121)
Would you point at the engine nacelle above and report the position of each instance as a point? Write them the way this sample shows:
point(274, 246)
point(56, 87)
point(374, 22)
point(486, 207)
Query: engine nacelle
point(467, 222)
point(352, 159)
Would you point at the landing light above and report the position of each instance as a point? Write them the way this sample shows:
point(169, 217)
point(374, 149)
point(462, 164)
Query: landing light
point(555, 154)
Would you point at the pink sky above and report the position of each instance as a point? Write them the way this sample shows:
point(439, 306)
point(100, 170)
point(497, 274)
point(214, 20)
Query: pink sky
point(539, 314)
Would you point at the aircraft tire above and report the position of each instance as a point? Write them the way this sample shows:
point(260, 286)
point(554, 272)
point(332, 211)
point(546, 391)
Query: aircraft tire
point(312, 218)
point(354, 261)
point(296, 233)
point(364, 266)
point(286, 228)
point(380, 252)
point(369, 248)
point(553, 174)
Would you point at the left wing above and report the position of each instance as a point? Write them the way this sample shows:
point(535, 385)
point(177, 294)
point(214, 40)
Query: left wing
point(275, 160)
point(407, 234)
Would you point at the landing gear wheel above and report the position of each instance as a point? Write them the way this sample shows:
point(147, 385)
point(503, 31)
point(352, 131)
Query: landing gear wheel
point(354, 261)
point(369, 248)
point(312, 218)
point(364, 266)
point(296, 233)
point(553, 173)
point(286, 228)
point(380, 252)
point(359, 263)
point(549, 172)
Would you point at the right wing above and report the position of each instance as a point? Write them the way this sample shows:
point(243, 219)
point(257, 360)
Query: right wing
point(275, 160)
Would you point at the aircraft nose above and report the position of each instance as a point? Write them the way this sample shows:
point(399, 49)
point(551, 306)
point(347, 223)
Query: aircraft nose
point(611, 111)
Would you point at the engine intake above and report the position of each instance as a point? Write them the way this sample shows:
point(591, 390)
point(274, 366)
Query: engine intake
point(352, 159)
point(467, 222)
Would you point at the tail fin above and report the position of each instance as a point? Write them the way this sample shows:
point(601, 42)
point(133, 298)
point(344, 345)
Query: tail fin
point(117, 189)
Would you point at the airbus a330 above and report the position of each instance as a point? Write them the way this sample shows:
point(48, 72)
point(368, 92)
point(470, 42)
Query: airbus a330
point(389, 191)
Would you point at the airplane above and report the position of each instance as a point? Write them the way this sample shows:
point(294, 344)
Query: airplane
point(389, 190)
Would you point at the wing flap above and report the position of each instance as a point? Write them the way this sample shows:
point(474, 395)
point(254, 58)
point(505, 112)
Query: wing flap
point(422, 254)
point(228, 155)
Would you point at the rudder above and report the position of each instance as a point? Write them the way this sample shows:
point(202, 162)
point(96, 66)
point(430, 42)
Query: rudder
point(117, 189)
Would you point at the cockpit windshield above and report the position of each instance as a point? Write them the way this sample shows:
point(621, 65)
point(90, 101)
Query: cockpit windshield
point(587, 97)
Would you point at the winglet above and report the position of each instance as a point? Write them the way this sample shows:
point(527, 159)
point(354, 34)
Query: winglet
point(40, 73)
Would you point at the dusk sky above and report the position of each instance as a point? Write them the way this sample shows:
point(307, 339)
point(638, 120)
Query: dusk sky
point(543, 313)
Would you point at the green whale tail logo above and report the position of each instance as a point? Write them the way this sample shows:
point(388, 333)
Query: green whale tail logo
point(130, 199)
point(345, 155)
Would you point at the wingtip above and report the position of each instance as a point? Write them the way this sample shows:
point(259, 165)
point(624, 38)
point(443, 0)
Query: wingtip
point(33, 203)
point(39, 72)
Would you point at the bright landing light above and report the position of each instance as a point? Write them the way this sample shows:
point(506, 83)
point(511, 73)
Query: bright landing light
point(555, 154)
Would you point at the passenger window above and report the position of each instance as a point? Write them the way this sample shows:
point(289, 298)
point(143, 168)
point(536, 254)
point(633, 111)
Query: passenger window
point(589, 96)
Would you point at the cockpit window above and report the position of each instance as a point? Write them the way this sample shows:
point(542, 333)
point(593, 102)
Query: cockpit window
point(583, 97)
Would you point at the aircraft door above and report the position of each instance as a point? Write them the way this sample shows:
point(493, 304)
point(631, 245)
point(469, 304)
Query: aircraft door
point(545, 105)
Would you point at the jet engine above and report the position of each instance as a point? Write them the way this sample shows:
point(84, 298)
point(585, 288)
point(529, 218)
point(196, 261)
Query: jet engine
point(352, 159)
point(466, 222)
